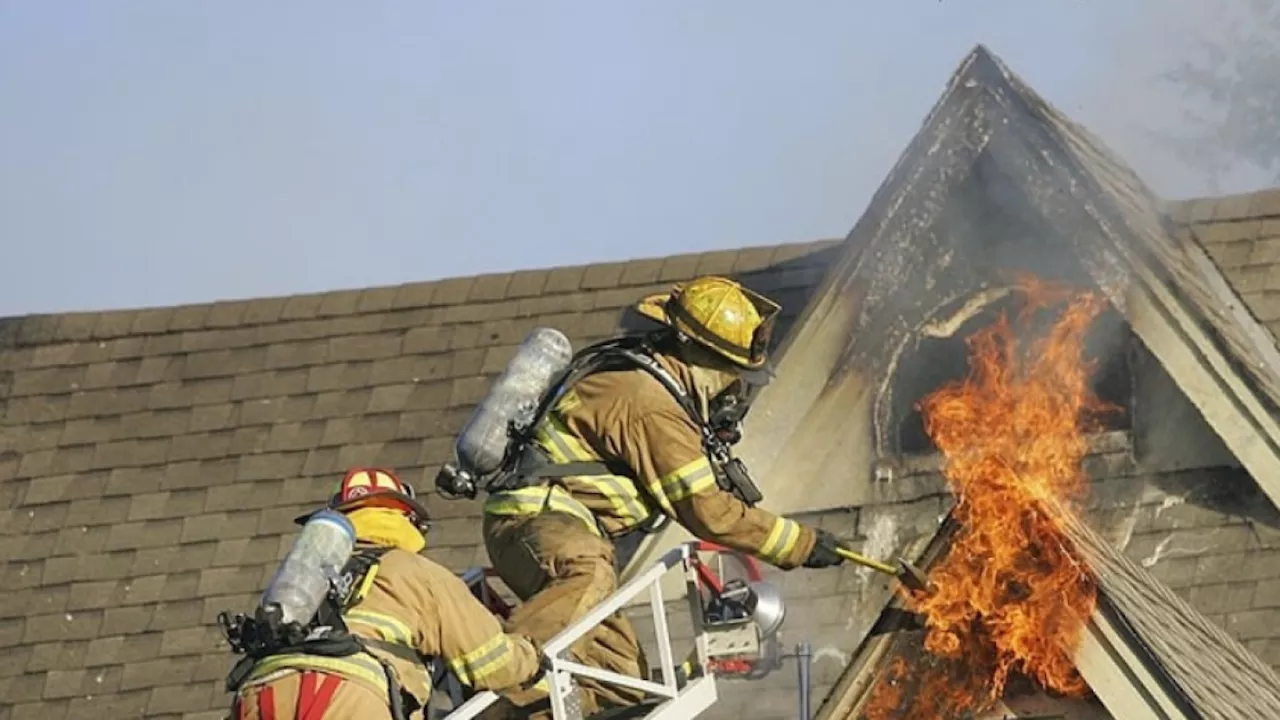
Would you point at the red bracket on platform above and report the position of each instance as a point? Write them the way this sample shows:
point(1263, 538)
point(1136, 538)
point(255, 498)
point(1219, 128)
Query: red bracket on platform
point(707, 578)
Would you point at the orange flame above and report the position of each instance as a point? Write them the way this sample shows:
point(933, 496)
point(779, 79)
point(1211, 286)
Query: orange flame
point(1008, 597)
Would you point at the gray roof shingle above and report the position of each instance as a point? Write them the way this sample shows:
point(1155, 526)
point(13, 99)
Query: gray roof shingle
point(1216, 672)
point(152, 460)
point(1241, 233)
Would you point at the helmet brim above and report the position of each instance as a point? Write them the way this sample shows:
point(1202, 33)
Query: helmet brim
point(386, 498)
point(654, 307)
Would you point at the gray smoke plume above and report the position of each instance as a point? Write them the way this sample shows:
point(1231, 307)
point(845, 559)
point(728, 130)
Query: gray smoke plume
point(1190, 96)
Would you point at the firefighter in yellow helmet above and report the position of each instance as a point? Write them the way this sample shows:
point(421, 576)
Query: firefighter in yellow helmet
point(559, 542)
point(404, 611)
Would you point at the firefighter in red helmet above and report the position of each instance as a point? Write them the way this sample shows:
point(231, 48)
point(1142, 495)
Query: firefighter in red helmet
point(404, 611)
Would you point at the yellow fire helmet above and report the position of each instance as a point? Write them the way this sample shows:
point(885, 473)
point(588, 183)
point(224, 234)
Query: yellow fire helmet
point(719, 314)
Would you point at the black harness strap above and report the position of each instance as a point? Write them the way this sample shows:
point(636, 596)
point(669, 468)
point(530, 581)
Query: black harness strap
point(619, 353)
point(531, 464)
point(400, 651)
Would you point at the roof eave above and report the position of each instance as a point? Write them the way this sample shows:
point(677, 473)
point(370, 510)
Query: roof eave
point(1126, 685)
point(1127, 680)
point(1124, 682)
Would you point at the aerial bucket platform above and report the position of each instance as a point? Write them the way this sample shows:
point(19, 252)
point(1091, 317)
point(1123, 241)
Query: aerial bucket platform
point(738, 621)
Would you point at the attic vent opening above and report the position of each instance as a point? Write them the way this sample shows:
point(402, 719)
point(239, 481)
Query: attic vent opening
point(940, 355)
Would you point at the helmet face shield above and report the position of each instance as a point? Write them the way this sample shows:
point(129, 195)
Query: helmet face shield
point(761, 338)
point(419, 519)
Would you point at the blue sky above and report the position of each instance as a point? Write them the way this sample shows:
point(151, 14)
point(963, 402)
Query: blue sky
point(156, 153)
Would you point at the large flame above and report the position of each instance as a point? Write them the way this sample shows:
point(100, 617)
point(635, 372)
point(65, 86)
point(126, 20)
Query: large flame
point(1008, 598)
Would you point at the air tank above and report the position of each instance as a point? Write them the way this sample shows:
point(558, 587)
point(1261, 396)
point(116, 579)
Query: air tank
point(302, 580)
point(482, 444)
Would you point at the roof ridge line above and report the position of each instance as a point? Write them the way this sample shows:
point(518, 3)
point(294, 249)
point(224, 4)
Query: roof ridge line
point(439, 294)
point(412, 283)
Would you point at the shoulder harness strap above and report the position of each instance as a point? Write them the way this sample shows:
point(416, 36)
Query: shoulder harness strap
point(618, 353)
point(530, 463)
point(358, 574)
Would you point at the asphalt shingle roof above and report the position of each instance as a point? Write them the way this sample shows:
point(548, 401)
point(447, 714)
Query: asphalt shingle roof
point(152, 460)
point(1241, 233)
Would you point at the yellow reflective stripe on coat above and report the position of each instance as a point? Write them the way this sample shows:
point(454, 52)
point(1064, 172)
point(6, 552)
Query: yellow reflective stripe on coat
point(561, 446)
point(475, 666)
point(389, 628)
point(781, 540)
point(534, 500)
point(687, 481)
point(357, 667)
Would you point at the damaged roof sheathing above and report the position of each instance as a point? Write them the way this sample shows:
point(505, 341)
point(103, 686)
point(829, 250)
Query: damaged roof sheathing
point(1146, 652)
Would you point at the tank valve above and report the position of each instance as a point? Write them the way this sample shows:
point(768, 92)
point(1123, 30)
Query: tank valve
point(455, 483)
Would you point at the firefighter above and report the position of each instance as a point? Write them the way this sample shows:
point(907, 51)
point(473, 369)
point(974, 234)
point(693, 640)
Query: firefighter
point(408, 609)
point(555, 542)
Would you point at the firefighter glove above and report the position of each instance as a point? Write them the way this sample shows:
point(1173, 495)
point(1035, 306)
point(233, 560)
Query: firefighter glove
point(824, 552)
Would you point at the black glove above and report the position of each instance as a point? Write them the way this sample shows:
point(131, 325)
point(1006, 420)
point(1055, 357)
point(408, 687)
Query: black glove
point(824, 553)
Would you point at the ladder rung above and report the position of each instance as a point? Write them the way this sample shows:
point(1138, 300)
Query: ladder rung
point(696, 697)
point(609, 676)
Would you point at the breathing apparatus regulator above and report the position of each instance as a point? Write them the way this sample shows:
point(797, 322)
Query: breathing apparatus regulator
point(495, 449)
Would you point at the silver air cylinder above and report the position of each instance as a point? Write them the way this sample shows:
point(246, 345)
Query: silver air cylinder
point(320, 552)
point(482, 444)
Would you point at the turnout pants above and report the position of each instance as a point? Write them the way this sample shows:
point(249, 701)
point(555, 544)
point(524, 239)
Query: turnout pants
point(560, 570)
point(309, 695)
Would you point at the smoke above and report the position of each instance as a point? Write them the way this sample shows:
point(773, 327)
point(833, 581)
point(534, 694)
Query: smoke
point(1187, 92)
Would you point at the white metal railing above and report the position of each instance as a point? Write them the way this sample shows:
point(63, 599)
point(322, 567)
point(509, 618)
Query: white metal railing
point(561, 671)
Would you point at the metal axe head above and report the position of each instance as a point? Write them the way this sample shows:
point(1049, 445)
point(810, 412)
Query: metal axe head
point(912, 577)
